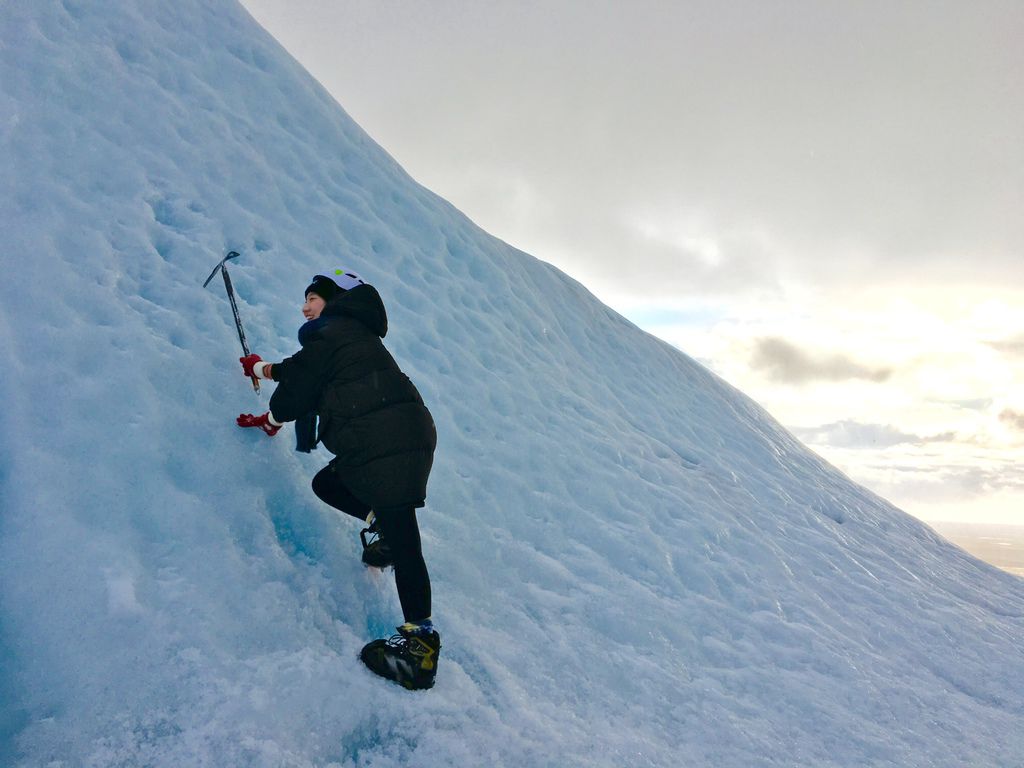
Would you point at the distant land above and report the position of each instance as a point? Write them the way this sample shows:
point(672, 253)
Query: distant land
point(1000, 545)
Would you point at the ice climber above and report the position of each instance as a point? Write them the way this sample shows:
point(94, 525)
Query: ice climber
point(372, 418)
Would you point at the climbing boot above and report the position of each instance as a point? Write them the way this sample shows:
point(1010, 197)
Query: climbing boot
point(409, 658)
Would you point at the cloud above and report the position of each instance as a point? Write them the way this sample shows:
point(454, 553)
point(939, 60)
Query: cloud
point(785, 362)
point(1012, 346)
point(973, 404)
point(945, 483)
point(740, 120)
point(981, 481)
point(1014, 419)
point(853, 434)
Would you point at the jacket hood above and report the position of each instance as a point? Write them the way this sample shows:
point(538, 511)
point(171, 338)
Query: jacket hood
point(362, 303)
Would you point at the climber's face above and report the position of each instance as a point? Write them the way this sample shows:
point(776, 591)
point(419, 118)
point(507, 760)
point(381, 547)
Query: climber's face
point(313, 307)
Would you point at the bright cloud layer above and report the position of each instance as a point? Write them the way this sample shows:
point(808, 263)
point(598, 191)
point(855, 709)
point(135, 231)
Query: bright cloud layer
point(917, 397)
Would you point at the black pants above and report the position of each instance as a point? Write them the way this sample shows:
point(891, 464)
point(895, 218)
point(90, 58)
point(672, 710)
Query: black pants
point(398, 529)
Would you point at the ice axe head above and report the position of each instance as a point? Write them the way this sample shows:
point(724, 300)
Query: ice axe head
point(220, 265)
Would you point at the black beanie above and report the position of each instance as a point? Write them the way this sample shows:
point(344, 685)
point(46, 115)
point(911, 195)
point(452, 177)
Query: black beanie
point(323, 287)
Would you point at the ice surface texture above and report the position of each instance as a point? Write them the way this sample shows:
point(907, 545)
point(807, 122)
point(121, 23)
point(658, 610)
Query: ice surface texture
point(633, 564)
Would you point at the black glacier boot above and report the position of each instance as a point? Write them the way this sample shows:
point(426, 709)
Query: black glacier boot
point(409, 658)
point(375, 552)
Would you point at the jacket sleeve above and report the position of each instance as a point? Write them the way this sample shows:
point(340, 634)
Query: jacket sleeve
point(299, 382)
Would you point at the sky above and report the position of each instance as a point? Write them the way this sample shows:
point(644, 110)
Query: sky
point(821, 202)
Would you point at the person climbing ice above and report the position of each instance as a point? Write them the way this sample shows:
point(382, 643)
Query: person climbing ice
point(372, 418)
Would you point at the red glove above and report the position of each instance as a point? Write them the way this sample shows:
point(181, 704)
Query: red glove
point(265, 422)
point(248, 362)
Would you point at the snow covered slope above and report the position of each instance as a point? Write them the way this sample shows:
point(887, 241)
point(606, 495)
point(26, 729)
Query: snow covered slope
point(633, 564)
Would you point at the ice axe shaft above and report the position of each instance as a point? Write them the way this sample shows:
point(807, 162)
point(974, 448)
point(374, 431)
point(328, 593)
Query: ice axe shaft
point(222, 266)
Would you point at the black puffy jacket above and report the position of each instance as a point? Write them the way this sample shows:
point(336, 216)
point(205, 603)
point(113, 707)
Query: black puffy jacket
point(372, 418)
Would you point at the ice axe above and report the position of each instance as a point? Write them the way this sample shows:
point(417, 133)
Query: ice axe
point(234, 306)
